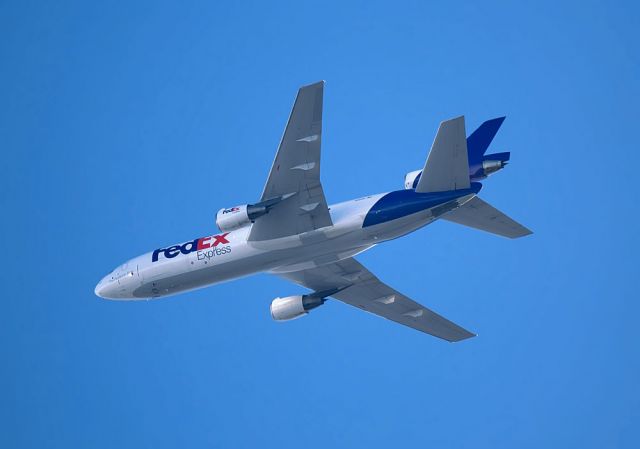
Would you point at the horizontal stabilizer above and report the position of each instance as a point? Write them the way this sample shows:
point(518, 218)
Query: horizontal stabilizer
point(447, 166)
point(480, 215)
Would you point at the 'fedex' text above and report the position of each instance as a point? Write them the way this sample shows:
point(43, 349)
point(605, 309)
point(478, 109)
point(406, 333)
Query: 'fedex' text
point(209, 245)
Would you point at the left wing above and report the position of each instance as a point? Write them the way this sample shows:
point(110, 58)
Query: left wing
point(295, 174)
point(358, 287)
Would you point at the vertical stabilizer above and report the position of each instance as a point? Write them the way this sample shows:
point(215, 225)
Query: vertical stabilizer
point(481, 138)
point(447, 166)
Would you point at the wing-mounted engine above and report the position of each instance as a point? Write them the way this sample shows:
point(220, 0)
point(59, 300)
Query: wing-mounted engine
point(238, 216)
point(292, 307)
point(241, 216)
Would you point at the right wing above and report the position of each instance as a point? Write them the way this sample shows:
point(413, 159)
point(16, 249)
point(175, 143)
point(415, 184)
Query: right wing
point(295, 173)
point(358, 287)
point(483, 216)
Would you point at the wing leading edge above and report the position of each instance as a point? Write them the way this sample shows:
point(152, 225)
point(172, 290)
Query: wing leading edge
point(360, 288)
point(295, 173)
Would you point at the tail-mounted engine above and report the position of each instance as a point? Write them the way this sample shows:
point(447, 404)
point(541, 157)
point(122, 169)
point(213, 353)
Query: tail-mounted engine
point(411, 179)
point(489, 164)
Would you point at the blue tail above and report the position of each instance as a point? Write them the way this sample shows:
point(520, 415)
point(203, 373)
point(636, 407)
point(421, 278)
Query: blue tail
point(481, 138)
point(480, 166)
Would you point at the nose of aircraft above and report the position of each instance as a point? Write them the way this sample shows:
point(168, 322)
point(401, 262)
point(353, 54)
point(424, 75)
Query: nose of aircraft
point(101, 288)
point(106, 288)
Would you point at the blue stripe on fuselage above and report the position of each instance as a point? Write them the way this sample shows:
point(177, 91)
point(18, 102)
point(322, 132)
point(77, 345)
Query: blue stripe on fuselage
point(401, 203)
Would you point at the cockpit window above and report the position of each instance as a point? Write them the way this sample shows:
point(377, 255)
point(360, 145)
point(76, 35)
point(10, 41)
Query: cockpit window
point(117, 275)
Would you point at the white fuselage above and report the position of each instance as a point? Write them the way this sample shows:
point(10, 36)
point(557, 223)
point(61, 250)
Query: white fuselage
point(231, 255)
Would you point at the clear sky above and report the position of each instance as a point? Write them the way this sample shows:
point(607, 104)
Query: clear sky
point(125, 126)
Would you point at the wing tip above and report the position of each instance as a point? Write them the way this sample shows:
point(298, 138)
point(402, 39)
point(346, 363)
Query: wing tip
point(466, 336)
point(320, 83)
point(525, 232)
point(452, 119)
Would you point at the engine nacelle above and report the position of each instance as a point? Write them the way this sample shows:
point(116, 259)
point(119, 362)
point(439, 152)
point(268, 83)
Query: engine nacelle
point(411, 179)
point(478, 171)
point(238, 216)
point(490, 164)
point(292, 307)
point(489, 167)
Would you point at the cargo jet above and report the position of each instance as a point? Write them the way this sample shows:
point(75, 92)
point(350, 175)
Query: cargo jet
point(293, 233)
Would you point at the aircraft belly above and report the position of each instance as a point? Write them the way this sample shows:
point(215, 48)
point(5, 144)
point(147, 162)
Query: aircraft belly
point(398, 227)
point(345, 239)
point(200, 269)
point(305, 263)
point(194, 278)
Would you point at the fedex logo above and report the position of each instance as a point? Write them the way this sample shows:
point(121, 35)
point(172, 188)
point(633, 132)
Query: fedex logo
point(201, 244)
point(228, 211)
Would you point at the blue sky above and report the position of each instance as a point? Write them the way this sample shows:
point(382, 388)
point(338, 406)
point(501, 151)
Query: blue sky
point(125, 126)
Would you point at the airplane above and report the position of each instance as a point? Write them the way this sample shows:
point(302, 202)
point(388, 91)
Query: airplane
point(293, 233)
